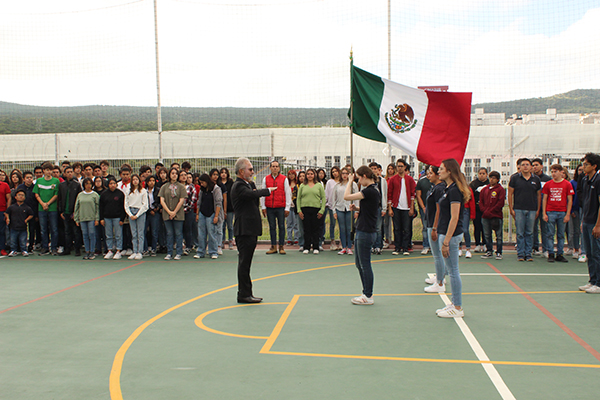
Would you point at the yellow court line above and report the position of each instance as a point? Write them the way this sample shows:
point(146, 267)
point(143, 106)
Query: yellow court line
point(201, 324)
point(434, 360)
point(277, 330)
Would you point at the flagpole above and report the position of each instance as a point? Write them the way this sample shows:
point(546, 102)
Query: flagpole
point(351, 112)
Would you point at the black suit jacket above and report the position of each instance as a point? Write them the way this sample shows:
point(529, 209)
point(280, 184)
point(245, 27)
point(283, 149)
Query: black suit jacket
point(245, 197)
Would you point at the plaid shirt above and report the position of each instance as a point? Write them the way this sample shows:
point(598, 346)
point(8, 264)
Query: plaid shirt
point(192, 199)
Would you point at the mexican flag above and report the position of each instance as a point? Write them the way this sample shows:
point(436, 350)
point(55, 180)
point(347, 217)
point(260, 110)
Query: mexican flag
point(431, 126)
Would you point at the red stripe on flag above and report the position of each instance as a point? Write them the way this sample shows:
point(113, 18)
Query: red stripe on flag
point(446, 127)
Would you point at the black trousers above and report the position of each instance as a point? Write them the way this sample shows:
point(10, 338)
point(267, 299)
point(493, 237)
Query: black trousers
point(246, 246)
point(72, 234)
point(312, 227)
point(402, 222)
point(477, 224)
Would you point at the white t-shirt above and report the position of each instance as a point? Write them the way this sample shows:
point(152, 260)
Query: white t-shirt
point(402, 200)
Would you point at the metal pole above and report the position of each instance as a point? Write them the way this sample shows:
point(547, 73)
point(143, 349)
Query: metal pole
point(56, 151)
point(390, 58)
point(351, 113)
point(512, 168)
point(158, 108)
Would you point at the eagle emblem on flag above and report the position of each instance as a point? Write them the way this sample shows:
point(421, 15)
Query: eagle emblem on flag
point(401, 118)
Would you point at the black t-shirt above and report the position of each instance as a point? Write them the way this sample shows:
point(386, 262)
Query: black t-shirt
point(207, 206)
point(433, 196)
point(590, 198)
point(476, 186)
point(424, 186)
point(451, 195)
point(369, 207)
point(526, 191)
point(18, 214)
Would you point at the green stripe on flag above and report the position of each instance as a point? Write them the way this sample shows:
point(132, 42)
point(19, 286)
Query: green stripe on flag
point(367, 92)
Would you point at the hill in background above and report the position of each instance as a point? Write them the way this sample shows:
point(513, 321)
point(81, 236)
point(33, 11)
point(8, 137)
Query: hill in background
point(17, 118)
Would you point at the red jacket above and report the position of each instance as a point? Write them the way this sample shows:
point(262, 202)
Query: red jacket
point(491, 201)
point(277, 198)
point(471, 205)
point(394, 187)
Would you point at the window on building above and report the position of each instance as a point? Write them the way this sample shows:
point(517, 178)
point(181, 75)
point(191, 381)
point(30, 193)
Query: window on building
point(337, 160)
point(328, 164)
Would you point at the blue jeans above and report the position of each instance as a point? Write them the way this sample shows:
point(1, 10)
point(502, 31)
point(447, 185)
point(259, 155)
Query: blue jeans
point(466, 219)
point(424, 232)
point(49, 218)
point(114, 234)
point(174, 236)
point(88, 229)
point(329, 211)
point(207, 232)
point(555, 219)
point(137, 231)
point(153, 223)
point(451, 264)
point(228, 223)
point(188, 229)
point(438, 260)
point(363, 241)
point(524, 221)
point(543, 228)
point(345, 220)
point(276, 218)
point(574, 230)
point(292, 226)
point(18, 240)
point(592, 250)
point(2, 231)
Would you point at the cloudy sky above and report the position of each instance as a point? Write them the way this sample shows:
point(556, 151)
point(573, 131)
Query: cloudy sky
point(290, 53)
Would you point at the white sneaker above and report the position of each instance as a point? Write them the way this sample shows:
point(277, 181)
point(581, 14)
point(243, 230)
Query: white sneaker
point(12, 253)
point(545, 254)
point(439, 310)
point(321, 248)
point(431, 281)
point(582, 258)
point(362, 300)
point(214, 256)
point(593, 289)
point(575, 255)
point(585, 287)
point(117, 256)
point(386, 245)
point(451, 312)
point(435, 288)
point(109, 255)
point(197, 256)
point(128, 252)
point(220, 251)
point(478, 249)
point(315, 251)
point(139, 256)
point(569, 252)
point(177, 257)
point(60, 250)
point(305, 251)
point(395, 253)
point(132, 256)
point(168, 257)
point(468, 254)
point(460, 253)
point(425, 251)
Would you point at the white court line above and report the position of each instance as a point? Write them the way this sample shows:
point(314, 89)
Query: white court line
point(495, 377)
point(516, 273)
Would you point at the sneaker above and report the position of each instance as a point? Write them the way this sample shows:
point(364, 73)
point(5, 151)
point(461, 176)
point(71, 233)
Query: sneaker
point(220, 251)
point(186, 252)
point(91, 256)
point(315, 251)
point(435, 288)
point(529, 259)
point(561, 258)
point(536, 252)
point(498, 256)
point(117, 256)
point(460, 253)
point(593, 289)
point(451, 312)
point(489, 255)
point(301, 248)
point(333, 247)
point(177, 257)
point(109, 255)
point(86, 256)
point(152, 253)
point(550, 258)
point(363, 300)
point(406, 253)
point(395, 252)
point(60, 250)
point(431, 281)
point(575, 255)
point(168, 257)
point(425, 251)
point(377, 251)
point(439, 310)
point(43, 252)
point(12, 253)
point(546, 254)
point(349, 252)
point(139, 256)
point(295, 242)
point(479, 249)
point(25, 254)
point(132, 256)
point(582, 258)
point(146, 253)
point(305, 251)
point(320, 248)
point(386, 245)
point(468, 254)
point(128, 252)
point(585, 287)
point(197, 256)
point(341, 252)
point(521, 258)
point(214, 256)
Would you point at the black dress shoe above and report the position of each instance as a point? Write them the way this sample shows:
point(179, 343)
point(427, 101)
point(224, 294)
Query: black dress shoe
point(249, 299)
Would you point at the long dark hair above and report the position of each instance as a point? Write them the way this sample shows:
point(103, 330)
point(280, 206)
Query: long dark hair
point(317, 179)
point(576, 173)
point(224, 169)
point(210, 185)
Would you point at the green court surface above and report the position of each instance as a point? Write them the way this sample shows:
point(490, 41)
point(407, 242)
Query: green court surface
point(155, 329)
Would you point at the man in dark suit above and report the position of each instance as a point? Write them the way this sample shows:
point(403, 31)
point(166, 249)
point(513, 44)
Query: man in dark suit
point(247, 226)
